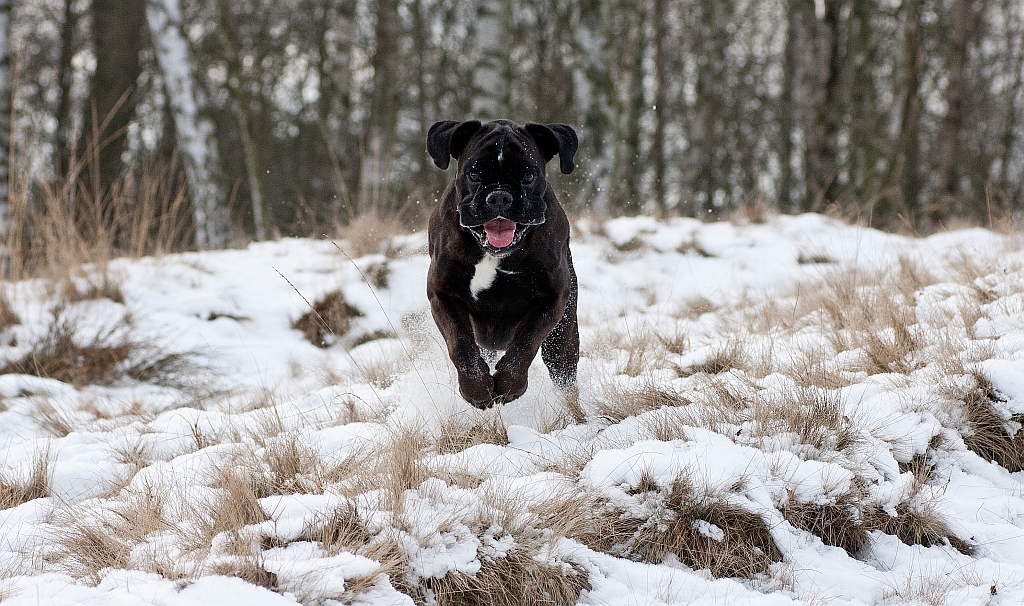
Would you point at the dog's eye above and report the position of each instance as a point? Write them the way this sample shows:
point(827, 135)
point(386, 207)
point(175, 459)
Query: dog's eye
point(529, 178)
point(474, 177)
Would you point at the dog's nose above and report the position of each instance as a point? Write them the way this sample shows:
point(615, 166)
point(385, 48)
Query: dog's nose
point(501, 199)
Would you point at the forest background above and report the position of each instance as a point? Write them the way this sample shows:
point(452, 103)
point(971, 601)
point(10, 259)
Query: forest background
point(145, 126)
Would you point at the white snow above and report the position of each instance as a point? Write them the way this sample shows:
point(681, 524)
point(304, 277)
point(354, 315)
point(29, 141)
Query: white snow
point(258, 389)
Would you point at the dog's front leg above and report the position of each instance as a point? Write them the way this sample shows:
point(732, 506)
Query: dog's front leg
point(510, 373)
point(475, 382)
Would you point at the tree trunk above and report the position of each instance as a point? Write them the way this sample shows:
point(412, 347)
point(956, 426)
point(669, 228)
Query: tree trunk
point(195, 138)
point(627, 171)
point(787, 109)
point(374, 181)
point(490, 82)
point(906, 163)
point(61, 153)
point(117, 27)
point(9, 236)
point(1013, 110)
point(658, 136)
point(821, 149)
point(594, 91)
point(947, 199)
point(243, 115)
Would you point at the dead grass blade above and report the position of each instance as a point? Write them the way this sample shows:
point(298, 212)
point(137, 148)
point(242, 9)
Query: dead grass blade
point(14, 492)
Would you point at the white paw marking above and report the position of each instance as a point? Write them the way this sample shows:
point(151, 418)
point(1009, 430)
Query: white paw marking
point(483, 277)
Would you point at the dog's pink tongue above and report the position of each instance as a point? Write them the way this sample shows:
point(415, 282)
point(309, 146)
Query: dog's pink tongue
point(500, 232)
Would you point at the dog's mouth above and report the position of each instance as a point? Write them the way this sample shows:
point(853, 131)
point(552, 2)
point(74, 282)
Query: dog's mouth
point(499, 235)
point(500, 232)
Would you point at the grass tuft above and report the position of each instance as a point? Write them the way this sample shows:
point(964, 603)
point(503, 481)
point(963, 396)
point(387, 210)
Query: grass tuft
point(89, 547)
point(458, 435)
point(329, 319)
point(722, 359)
point(515, 579)
point(14, 492)
point(916, 524)
point(97, 286)
point(105, 359)
point(987, 433)
point(703, 531)
point(837, 524)
point(618, 403)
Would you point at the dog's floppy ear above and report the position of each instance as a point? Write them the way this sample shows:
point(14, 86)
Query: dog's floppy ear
point(447, 139)
point(556, 139)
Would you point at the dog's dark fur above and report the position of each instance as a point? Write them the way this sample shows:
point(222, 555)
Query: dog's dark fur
point(531, 303)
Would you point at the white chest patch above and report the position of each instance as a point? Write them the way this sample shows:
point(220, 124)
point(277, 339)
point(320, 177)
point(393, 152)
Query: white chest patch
point(483, 277)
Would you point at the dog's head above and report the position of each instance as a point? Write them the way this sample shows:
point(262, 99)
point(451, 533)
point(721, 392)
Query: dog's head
point(501, 180)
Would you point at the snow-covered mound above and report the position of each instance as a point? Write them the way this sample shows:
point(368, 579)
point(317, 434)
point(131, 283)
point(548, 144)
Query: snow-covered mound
point(787, 413)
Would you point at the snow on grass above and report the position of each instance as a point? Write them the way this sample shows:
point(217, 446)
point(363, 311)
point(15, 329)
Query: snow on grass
point(785, 413)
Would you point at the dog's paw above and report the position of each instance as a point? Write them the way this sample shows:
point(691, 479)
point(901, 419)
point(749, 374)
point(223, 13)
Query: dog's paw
point(509, 385)
point(478, 392)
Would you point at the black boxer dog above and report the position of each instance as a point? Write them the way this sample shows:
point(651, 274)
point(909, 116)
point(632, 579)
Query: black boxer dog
point(501, 276)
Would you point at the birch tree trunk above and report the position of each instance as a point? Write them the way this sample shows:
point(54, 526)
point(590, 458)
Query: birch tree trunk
point(196, 143)
point(490, 91)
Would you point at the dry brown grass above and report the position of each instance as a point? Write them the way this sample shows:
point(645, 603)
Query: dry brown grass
point(643, 347)
point(617, 403)
point(813, 258)
point(723, 358)
point(380, 372)
point(513, 578)
point(702, 530)
point(290, 466)
point(340, 530)
point(101, 285)
point(15, 491)
point(105, 359)
point(816, 417)
point(343, 530)
point(91, 541)
point(86, 548)
point(837, 524)
point(8, 317)
point(674, 339)
point(371, 234)
point(516, 579)
point(918, 520)
point(458, 433)
point(694, 245)
point(59, 225)
point(987, 433)
point(329, 318)
point(694, 307)
point(916, 524)
point(237, 507)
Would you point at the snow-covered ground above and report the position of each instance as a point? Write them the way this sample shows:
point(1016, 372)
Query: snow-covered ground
point(796, 374)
